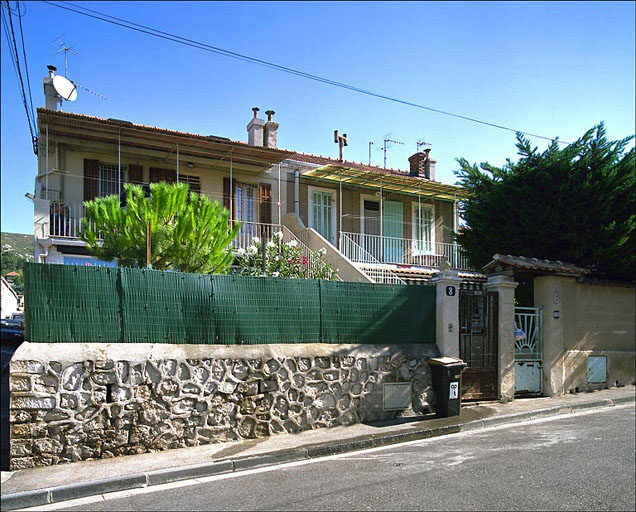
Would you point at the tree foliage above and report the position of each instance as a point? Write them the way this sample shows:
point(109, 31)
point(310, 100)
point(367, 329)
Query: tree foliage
point(572, 203)
point(188, 231)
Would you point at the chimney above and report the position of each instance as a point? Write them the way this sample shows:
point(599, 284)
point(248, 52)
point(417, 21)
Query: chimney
point(422, 165)
point(429, 166)
point(255, 129)
point(270, 130)
point(51, 98)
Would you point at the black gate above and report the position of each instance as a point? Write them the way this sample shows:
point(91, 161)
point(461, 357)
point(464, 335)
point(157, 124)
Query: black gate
point(478, 343)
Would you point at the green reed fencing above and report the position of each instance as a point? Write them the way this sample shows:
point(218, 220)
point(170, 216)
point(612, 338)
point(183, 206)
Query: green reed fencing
point(68, 303)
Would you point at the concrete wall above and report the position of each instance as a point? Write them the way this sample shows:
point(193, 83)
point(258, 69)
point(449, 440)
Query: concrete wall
point(72, 402)
point(582, 320)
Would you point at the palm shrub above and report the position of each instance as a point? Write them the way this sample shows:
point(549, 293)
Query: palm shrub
point(188, 231)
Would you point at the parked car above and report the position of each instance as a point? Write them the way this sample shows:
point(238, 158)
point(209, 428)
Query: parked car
point(18, 316)
point(11, 330)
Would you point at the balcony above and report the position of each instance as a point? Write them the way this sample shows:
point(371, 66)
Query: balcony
point(373, 249)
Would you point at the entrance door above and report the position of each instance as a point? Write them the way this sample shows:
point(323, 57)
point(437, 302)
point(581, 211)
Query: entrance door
point(393, 232)
point(371, 239)
point(478, 344)
point(322, 215)
point(528, 351)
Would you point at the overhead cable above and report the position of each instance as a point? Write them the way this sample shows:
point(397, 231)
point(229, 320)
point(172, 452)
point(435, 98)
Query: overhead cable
point(91, 13)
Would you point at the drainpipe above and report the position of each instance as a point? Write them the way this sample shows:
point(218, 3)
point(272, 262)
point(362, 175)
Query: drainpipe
point(297, 192)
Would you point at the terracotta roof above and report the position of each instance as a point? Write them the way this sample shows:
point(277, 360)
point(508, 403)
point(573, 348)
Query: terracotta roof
point(536, 265)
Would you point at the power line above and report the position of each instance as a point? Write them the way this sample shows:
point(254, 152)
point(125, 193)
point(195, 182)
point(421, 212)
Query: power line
point(13, 50)
point(227, 53)
point(26, 66)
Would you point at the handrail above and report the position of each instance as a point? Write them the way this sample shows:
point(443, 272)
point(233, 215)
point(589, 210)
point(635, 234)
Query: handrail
point(364, 248)
point(378, 274)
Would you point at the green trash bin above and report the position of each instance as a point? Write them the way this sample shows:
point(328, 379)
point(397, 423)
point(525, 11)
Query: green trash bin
point(446, 374)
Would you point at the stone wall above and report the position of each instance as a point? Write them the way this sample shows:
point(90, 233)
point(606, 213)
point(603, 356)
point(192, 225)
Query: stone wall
point(72, 402)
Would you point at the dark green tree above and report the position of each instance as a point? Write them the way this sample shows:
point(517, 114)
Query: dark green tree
point(188, 231)
point(570, 203)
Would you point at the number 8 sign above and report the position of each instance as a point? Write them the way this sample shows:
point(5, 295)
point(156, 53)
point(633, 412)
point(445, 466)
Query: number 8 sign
point(454, 390)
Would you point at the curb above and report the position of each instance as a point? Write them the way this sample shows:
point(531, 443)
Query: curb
point(60, 493)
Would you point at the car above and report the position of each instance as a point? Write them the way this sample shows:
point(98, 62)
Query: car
point(19, 315)
point(11, 330)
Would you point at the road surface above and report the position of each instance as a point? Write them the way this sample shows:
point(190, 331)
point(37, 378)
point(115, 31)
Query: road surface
point(583, 461)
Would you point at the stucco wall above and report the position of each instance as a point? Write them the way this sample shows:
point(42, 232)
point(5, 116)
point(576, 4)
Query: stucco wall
point(72, 402)
point(582, 320)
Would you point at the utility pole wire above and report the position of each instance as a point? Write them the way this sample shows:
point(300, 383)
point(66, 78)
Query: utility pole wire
point(203, 46)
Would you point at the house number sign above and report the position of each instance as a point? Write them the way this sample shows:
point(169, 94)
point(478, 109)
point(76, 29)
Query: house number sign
point(450, 291)
point(453, 392)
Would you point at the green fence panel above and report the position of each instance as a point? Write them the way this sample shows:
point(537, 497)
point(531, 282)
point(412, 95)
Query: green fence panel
point(377, 313)
point(76, 304)
point(253, 310)
point(167, 307)
point(100, 304)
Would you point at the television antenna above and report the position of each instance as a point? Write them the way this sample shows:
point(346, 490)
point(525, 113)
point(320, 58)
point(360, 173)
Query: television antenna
point(390, 141)
point(69, 49)
point(419, 144)
point(66, 50)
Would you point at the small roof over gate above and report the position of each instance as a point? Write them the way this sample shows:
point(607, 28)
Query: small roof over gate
point(533, 266)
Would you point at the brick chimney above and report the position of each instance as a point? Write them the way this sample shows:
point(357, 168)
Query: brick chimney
point(271, 127)
point(255, 129)
point(422, 165)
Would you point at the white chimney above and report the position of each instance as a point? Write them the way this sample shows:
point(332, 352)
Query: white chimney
point(270, 130)
point(255, 129)
point(51, 97)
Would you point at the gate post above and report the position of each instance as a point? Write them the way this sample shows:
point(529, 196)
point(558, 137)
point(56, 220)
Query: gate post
point(505, 287)
point(447, 283)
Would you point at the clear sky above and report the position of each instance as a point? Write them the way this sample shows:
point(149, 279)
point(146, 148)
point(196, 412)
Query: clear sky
point(550, 68)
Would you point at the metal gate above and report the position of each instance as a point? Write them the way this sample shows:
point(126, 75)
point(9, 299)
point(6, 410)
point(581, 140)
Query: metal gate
point(528, 350)
point(478, 344)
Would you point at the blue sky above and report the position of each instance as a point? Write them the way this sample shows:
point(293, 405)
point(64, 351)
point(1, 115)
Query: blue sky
point(550, 68)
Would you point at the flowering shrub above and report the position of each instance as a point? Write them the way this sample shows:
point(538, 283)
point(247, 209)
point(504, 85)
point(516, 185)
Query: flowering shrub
point(282, 259)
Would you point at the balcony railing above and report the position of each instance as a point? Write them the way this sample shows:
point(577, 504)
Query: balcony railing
point(66, 220)
point(362, 248)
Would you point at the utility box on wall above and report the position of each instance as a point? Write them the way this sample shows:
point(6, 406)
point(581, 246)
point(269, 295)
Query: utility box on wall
point(597, 369)
point(397, 396)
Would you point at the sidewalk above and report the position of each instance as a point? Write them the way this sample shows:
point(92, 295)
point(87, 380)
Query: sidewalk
point(39, 486)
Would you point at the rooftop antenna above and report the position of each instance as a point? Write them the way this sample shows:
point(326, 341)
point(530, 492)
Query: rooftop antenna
point(66, 50)
point(370, 144)
point(419, 144)
point(341, 140)
point(394, 142)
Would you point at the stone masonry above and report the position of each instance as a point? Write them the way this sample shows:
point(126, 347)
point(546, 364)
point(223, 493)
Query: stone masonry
point(72, 402)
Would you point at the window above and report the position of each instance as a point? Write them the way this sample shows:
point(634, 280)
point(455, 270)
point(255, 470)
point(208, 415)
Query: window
point(245, 196)
point(109, 179)
point(193, 181)
point(423, 229)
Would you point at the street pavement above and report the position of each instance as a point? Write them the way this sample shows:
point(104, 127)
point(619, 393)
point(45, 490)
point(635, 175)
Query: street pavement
point(573, 462)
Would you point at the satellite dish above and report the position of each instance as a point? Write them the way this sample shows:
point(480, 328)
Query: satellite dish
point(65, 88)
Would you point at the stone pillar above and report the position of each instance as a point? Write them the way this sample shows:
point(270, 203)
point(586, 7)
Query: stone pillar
point(447, 312)
point(548, 292)
point(505, 286)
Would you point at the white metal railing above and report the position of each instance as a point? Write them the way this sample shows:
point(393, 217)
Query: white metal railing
point(376, 272)
point(362, 248)
point(65, 220)
point(249, 230)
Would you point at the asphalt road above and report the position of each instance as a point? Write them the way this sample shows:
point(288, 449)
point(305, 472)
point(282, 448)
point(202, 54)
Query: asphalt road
point(582, 462)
